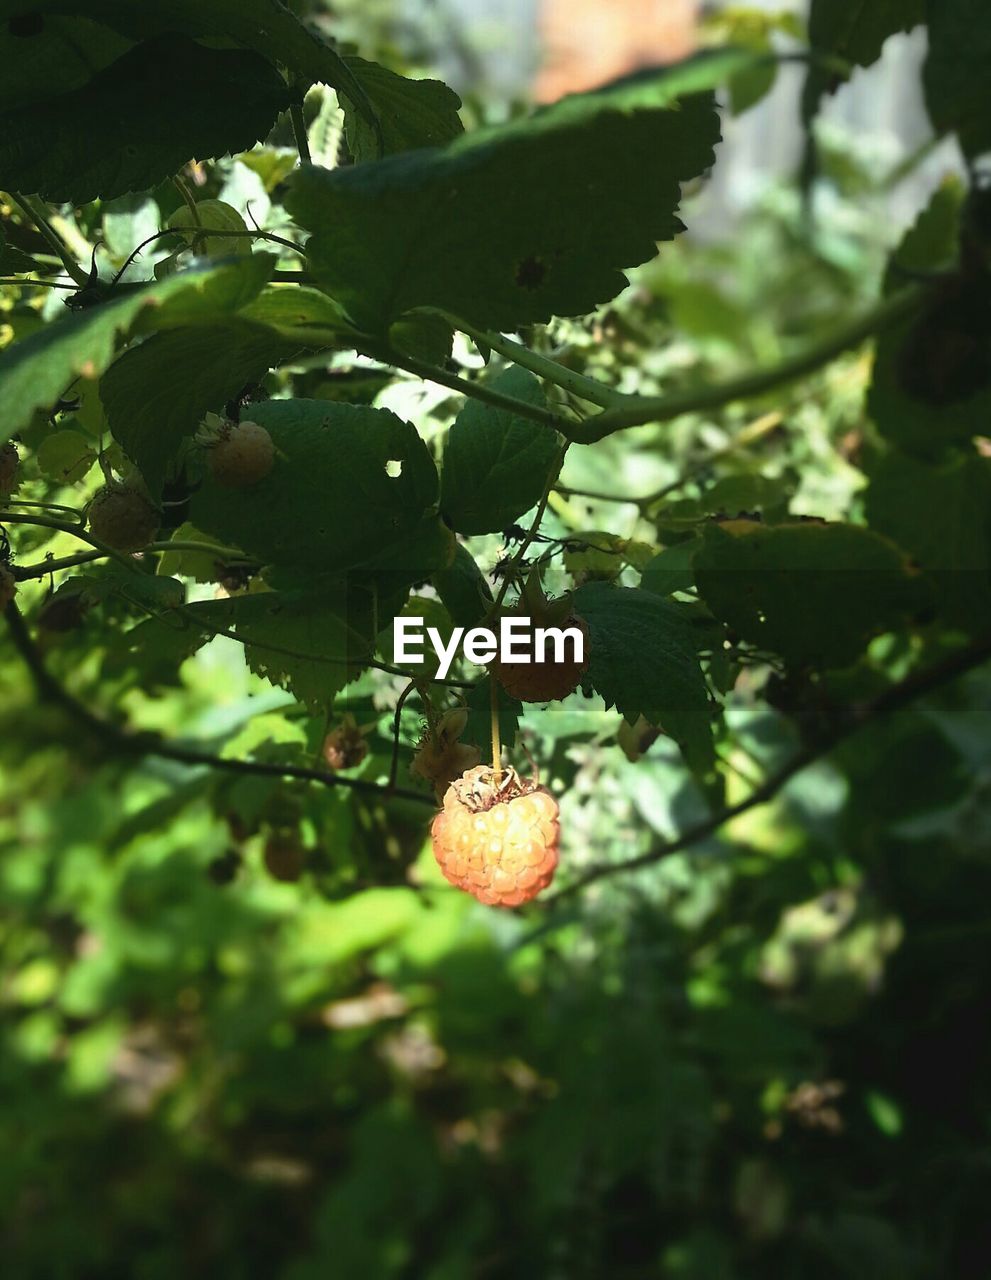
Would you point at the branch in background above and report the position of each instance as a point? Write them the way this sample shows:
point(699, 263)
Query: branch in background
point(754, 431)
point(892, 699)
point(641, 411)
point(127, 743)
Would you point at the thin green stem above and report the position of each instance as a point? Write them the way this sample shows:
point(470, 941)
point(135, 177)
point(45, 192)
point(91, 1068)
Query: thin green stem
point(531, 533)
point(643, 410)
point(32, 210)
point(299, 132)
point(577, 384)
point(76, 530)
point(316, 337)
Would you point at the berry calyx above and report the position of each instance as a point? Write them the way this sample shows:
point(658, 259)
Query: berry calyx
point(8, 587)
point(9, 462)
point(498, 842)
point(239, 453)
point(121, 516)
point(440, 758)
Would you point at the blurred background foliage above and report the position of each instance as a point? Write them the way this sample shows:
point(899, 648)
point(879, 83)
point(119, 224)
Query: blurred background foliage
point(765, 1056)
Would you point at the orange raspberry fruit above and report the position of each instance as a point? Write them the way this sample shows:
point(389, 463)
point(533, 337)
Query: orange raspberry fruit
point(500, 844)
point(546, 680)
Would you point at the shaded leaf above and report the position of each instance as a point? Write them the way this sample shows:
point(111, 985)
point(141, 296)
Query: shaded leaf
point(497, 465)
point(814, 593)
point(642, 660)
point(940, 513)
point(956, 71)
point(412, 113)
point(139, 120)
point(854, 32)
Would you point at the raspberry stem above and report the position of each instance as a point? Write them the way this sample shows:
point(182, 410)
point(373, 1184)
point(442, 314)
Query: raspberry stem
point(496, 743)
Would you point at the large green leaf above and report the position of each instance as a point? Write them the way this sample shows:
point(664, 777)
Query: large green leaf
point(956, 71)
point(853, 31)
point(139, 120)
point(940, 514)
point(931, 384)
point(35, 372)
point(463, 589)
point(813, 593)
point(412, 113)
point(642, 660)
point(496, 465)
point(349, 484)
point(521, 221)
point(14, 261)
point(37, 35)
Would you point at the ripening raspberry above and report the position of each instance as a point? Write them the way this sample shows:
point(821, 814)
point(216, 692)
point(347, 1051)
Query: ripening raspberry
point(498, 843)
point(240, 454)
point(547, 680)
point(121, 516)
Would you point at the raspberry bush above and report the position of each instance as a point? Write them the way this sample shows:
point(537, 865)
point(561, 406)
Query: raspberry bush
point(294, 343)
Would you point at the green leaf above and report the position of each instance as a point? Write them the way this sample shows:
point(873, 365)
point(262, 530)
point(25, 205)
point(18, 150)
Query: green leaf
point(140, 119)
point(331, 500)
point(81, 46)
point(956, 72)
point(853, 31)
point(14, 262)
point(941, 515)
point(313, 645)
point(672, 569)
point(156, 394)
point(497, 465)
point(642, 660)
point(463, 589)
point(66, 455)
point(518, 222)
point(36, 371)
point(412, 113)
point(931, 386)
point(814, 593)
